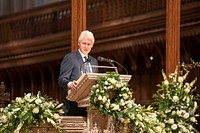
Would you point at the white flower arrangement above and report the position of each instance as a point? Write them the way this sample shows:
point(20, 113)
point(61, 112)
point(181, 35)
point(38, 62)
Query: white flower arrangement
point(112, 97)
point(176, 104)
point(29, 110)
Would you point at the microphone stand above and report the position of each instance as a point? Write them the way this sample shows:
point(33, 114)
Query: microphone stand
point(112, 64)
point(121, 66)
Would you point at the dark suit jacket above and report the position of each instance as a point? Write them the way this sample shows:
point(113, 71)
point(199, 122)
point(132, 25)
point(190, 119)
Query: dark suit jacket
point(70, 70)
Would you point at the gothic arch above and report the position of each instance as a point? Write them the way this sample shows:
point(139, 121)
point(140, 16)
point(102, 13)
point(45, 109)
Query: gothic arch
point(18, 81)
point(38, 79)
point(161, 52)
point(59, 90)
point(184, 52)
point(142, 54)
point(131, 53)
point(28, 80)
point(140, 60)
point(49, 79)
point(9, 82)
point(120, 57)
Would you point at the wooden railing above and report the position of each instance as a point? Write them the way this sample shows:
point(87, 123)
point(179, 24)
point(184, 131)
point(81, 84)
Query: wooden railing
point(57, 17)
point(107, 10)
point(36, 22)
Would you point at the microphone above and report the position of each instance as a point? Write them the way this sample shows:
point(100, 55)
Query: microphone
point(111, 62)
point(105, 59)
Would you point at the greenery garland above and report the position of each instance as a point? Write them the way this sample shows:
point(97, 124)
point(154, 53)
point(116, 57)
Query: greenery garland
point(112, 97)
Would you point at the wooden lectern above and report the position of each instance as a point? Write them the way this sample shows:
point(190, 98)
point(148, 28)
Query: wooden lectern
point(94, 120)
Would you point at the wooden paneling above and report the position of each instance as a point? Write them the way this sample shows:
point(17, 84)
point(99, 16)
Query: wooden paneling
point(172, 35)
point(78, 21)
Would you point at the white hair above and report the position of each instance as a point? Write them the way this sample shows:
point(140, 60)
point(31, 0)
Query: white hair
point(86, 34)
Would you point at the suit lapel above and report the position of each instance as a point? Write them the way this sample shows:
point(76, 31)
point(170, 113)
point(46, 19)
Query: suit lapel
point(91, 61)
point(78, 55)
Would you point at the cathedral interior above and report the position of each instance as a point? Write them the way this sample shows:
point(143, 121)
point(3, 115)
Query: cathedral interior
point(34, 41)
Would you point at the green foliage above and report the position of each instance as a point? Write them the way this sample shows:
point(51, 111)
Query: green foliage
point(29, 110)
point(112, 97)
point(176, 103)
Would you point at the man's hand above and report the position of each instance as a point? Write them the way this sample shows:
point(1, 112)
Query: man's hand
point(73, 85)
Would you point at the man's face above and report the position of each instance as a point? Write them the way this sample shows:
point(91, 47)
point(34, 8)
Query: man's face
point(85, 46)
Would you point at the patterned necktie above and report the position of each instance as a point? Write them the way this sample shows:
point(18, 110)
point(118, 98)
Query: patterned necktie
point(85, 58)
point(87, 65)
